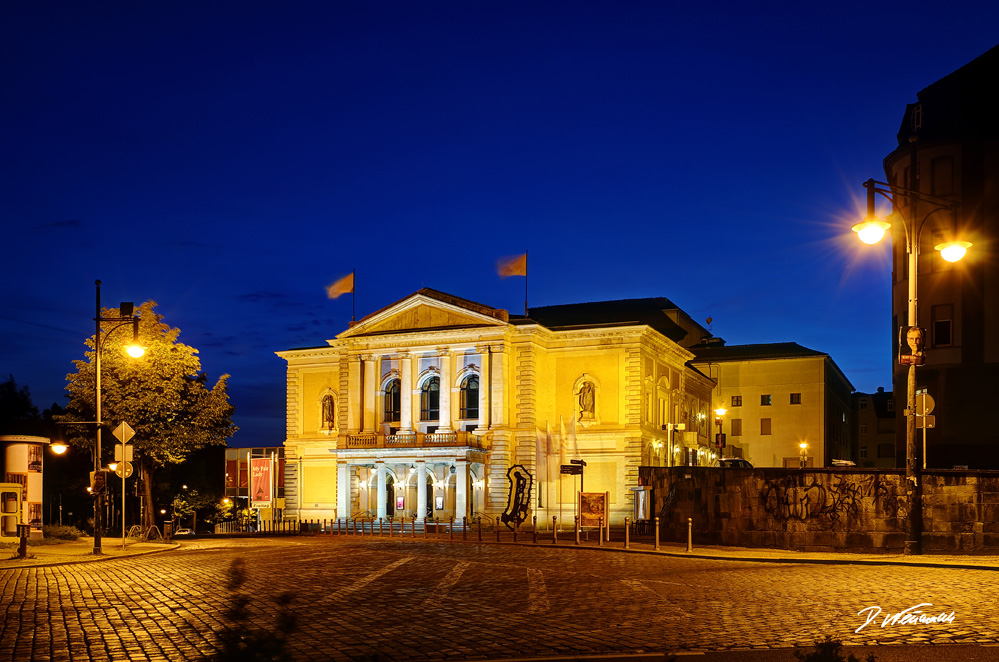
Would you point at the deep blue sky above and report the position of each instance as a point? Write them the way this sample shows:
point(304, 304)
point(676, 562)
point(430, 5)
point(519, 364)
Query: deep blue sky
point(228, 160)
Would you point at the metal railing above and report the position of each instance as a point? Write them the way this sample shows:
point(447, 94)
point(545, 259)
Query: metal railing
point(412, 440)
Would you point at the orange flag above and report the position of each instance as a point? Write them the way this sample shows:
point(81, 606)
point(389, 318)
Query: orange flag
point(515, 265)
point(343, 286)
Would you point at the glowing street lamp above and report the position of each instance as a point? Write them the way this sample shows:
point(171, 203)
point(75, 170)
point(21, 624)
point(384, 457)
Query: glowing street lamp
point(720, 439)
point(135, 350)
point(870, 231)
point(803, 461)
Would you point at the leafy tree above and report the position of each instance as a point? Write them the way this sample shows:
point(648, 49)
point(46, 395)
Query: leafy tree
point(162, 395)
point(18, 414)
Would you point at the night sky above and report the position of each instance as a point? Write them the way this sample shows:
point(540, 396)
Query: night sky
point(229, 160)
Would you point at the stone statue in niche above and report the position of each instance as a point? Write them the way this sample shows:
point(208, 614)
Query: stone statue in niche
point(329, 412)
point(587, 398)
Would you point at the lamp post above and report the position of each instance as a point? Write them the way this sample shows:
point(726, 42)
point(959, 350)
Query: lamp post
point(803, 460)
point(135, 350)
point(720, 439)
point(870, 231)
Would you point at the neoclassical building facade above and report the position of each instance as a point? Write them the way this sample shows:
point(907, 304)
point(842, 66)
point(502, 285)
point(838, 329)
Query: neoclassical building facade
point(423, 408)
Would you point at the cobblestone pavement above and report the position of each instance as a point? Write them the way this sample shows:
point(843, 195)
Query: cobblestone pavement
point(356, 599)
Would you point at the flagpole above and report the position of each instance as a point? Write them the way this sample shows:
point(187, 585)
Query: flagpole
point(525, 283)
point(353, 293)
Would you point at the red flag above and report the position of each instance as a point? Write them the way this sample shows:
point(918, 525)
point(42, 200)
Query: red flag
point(343, 286)
point(515, 265)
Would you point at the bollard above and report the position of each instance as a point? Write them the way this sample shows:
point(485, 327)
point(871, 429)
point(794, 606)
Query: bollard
point(426, 525)
point(554, 530)
point(690, 539)
point(576, 526)
point(656, 541)
point(626, 536)
point(534, 526)
point(600, 532)
point(450, 529)
point(381, 531)
point(355, 526)
point(464, 528)
point(390, 526)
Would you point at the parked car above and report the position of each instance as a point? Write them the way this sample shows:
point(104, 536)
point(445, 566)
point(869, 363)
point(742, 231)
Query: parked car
point(732, 463)
point(183, 532)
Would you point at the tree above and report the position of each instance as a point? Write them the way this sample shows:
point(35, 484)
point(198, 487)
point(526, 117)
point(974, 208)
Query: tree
point(18, 414)
point(162, 395)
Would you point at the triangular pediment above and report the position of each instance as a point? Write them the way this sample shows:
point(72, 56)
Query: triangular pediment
point(426, 310)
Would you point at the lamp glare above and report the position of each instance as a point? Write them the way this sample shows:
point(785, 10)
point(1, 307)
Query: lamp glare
point(871, 230)
point(952, 251)
point(135, 351)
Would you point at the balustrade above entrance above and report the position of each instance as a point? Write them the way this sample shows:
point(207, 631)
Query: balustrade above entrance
point(413, 440)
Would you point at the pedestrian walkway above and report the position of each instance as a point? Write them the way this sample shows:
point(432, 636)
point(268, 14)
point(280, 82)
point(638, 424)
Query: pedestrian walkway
point(78, 551)
point(81, 551)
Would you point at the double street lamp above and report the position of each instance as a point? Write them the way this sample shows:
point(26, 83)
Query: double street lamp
point(870, 231)
point(135, 350)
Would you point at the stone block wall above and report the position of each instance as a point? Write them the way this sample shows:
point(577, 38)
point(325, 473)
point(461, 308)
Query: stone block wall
point(857, 510)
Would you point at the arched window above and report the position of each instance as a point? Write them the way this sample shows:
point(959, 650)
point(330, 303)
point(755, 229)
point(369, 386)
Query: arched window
point(430, 400)
point(468, 400)
point(393, 402)
point(329, 412)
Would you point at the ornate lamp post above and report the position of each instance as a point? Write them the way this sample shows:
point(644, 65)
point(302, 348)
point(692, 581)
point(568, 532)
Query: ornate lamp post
point(870, 231)
point(134, 350)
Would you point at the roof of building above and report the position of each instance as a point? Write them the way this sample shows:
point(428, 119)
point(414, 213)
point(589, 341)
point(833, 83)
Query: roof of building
point(962, 103)
point(780, 350)
point(649, 311)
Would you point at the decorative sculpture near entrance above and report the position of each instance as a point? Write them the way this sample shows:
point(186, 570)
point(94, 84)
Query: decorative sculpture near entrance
point(518, 501)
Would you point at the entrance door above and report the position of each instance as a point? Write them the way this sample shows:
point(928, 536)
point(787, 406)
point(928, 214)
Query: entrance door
point(430, 496)
point(389, 497)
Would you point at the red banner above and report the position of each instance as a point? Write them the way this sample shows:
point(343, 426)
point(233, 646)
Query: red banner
point(260, 481)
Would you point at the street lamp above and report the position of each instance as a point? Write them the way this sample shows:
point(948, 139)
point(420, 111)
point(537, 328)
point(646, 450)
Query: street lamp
point(135, 350)
point(803, 460)
point(720, 439)
point(870, 231)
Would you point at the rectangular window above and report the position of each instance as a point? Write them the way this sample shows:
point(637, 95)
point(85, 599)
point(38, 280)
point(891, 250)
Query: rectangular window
point(736, 427)
point(796, 398)
point(764, 400)
point(863, 428)
point(863, 452)
point(764, 426)
point(891, 405)
point(736, 400)
point(863, 403)
point(942, 317)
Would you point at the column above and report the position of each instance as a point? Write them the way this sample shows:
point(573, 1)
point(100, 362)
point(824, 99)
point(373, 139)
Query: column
point(484, 389)
point(354, 405)
point(369, 393)
point(406, 391)
point(421, 490)
point(460, 490)
point(496, 386)
point(380, 511)
point(445, 401)
point(342, 490)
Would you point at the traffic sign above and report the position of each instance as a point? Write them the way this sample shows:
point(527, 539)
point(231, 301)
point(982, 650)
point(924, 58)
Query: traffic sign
point(123, 470)
point(926, 421)
point(123, 452)
point(123, 432)
point(924, 404)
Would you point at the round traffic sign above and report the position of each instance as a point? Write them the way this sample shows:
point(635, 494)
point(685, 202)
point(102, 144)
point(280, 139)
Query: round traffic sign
point(123, 467)
point(924, 404)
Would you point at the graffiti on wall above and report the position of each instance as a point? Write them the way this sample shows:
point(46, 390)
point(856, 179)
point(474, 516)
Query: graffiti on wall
point(835, 502)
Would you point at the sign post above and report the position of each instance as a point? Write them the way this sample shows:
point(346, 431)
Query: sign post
point(123, 456)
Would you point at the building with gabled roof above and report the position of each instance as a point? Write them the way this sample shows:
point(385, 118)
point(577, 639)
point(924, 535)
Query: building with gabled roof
point(437, 406)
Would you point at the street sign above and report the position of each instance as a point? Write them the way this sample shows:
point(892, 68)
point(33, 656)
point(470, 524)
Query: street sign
point(924, 404)
point(571, 469)
point(926, 421)
point(123, 452)
point(581, 463)
point(123, 432)
point(123, 470)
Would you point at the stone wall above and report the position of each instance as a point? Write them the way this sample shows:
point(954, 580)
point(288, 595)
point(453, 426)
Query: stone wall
point(859, 510)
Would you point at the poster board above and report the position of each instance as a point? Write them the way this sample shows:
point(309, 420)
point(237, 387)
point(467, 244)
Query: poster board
point(592, 507)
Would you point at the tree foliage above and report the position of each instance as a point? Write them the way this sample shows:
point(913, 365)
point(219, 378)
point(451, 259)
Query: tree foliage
point(162, 395)
point(18, 414)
